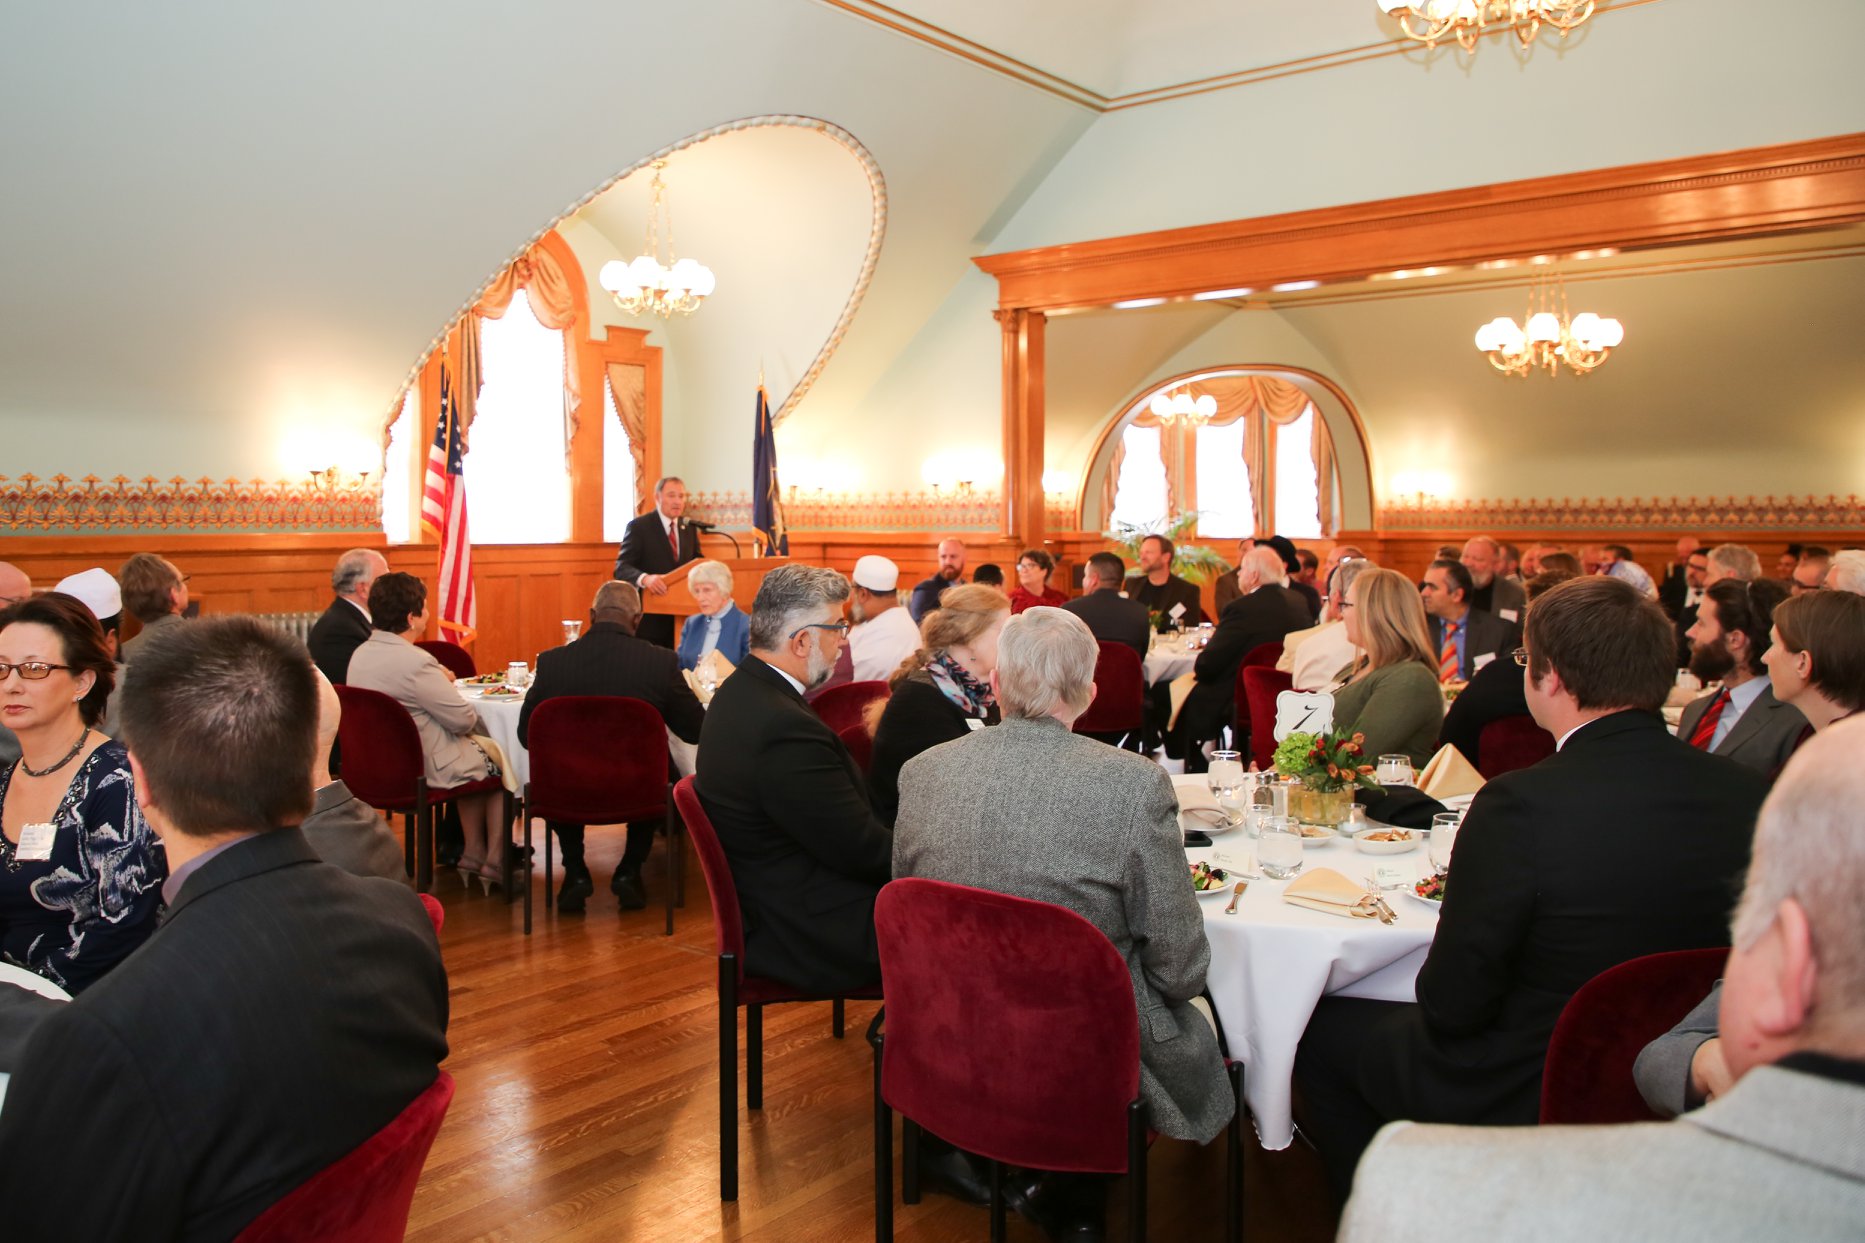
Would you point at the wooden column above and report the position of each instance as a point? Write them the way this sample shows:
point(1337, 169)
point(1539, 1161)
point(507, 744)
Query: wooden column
point(1023, 425)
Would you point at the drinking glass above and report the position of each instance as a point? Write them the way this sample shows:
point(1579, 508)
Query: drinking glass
point(1443, 839)
point(707, 677)
point(1394, 770)
point(518, 674)
point(572, 630)
point(1279, 848)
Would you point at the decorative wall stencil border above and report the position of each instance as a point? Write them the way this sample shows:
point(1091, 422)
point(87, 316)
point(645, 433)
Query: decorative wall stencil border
point(1692, 514)
point(877, 229)
point(61, 505)
point(858, 511)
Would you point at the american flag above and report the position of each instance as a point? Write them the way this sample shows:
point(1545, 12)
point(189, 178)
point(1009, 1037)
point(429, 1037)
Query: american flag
point(443, 518)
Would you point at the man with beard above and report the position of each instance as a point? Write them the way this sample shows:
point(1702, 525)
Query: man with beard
point(1159, 589)
point(1489, 591)
point(786, 799)
point(1743, 720)
point(925, 597)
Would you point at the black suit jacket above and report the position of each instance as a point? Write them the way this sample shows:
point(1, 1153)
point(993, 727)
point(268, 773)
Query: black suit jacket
point(1626, 842)
point(608, 660)
point(918, 717)
point(1495, 691)
point(1673, 589)
point(807, 851)
point(1486, 635)
point(646, 550)
point(1114, 619)
point(1266, 615)
point(1160, 599)
point(283, 1013)
point(334, 636)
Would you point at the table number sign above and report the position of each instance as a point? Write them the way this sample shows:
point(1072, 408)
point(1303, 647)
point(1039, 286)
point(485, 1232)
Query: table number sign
point(1303, 712)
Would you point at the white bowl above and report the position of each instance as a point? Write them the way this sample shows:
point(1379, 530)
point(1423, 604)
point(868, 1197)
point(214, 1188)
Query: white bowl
point(1363, 841)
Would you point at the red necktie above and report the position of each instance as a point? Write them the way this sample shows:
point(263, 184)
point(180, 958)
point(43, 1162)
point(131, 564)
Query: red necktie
point(1447, 654)
point(1706, 728)
point(673, 537)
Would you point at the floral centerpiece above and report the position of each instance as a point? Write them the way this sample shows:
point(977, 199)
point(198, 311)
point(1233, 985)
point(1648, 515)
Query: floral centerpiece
point(1329, 766)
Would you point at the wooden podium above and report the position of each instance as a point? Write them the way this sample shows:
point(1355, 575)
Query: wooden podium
point(747, 576)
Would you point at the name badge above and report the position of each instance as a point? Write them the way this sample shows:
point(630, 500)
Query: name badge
point(1507, 615)
point(1482, 659)
point(972, 722)
point(1176, 611)
point(35, 842)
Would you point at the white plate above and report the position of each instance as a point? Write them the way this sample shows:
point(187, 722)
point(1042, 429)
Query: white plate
point(1385, 848)
point(1204, 823)
point(1231, 877)
point(1433, 903)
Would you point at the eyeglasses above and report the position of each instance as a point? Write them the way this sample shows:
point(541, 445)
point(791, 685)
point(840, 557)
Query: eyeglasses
point(1520, 656)
point(840, 628)
point(30, 671)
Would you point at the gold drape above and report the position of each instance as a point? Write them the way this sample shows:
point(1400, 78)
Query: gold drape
point(628, 388)
point(547, 289)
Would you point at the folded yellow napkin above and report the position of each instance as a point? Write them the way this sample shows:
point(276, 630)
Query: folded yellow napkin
point(721, 667)
point(1449, 774)
point(1193, 795)
point(1179, 688)
point(1324, 889)
point(699, 690)
point(507, 777)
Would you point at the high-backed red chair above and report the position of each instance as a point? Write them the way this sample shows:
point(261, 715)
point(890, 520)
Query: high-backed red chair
point(600, 759)
point(1511, 742)
point(739, 988)
point(843, 706)
point(383, 766)
point(860, 744)
point(983, 1050)
point(1119, 706)
point(452, 657)
point(1261, 685)
point(1263, 655)
point(1588, 1074)
point(363, 1197)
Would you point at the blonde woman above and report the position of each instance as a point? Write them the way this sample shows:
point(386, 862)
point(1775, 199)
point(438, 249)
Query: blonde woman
point(1393, 696)
point(942, 691)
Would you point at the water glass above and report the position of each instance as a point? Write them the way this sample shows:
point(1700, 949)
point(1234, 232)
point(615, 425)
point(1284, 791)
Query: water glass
point(1394, 770)
point(1443, 839)
point(518, 674)
point(1279, 848)
point(1225, 773)
point(572, 630)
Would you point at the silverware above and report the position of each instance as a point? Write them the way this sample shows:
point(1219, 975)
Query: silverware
point(1234, 895)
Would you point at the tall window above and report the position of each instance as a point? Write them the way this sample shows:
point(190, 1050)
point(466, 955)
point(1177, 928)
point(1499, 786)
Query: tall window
point(1140, 493)
point(516, 483)
point(618, 471)
point(1298, 513)
point(1224, 509)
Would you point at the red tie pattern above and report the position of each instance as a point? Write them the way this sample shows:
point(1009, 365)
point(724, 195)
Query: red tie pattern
point(1706, 728)
point(1447, 654)
point(673, 538)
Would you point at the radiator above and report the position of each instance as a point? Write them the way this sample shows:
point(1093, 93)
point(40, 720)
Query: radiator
point(297, 625)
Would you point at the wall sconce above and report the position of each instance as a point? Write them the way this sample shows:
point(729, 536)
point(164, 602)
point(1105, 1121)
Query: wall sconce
point(1420, 487)
point(336, 479)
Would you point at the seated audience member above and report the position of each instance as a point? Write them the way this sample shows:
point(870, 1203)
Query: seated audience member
point(1311, 569)
point(1393, 695)
point(345, 831)
point(389, 662)
point(1510, 566)
point(883, 634)
point(1110, 616)
point(1789, 558)
point(1159, 589)
point(14, 587)
point(1322, 657)
point(1119, 867)
point(80, 870)
point(1489, 591)
point(1531, 560)
point(1464, 638)
point(1816, 659)
point(1847, 572)
point(1623, 843)
point(1291, 575)
point(988, 574)
point(951, 572)
point(97, 591)
point(1033, 589)
point(790, 807)
point(609, 660)
point(156, 594)
point(1696, 571)
point(1810, 571)
point(343, 627)
point(940, 692)
point(284, 1012)
point(1266, 612)
point(720, 625)
point(1731, 561)
point(1743, 721)
point(1563, 562)
point(1336, 555)
point(1775, 1155)
point(1495, 691)
point(1615, 561)
point(1675, 586)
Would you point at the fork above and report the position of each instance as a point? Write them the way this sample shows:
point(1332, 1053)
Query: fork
point(1235, 894)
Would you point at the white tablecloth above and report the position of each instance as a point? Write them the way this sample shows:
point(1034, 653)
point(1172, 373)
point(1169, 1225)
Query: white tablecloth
point(1168, 659)
point(1271, 962)
point(500, 717)
point(10, 977)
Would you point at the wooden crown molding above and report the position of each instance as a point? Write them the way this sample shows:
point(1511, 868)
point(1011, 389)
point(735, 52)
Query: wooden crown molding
point(1761, 190)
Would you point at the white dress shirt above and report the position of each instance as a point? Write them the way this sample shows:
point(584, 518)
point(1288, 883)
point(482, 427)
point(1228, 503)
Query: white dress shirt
point(877, 646)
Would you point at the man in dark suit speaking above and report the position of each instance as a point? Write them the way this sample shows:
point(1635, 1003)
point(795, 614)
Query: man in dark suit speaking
point(345, 624)
point(655, 544)
point(283, 1013)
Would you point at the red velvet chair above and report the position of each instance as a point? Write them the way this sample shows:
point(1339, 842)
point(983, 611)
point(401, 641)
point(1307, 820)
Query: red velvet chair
point(986, 1051)
point(843, 706)
point(363, 1197)
point(1261, 685)
point(1119, 705)
point(1588, 1074)
point(452, 657)
point(1263, 655)
point(600, 759)
point(383, 766)
point(860, 744)
point(1511, 742)
point(738, 988)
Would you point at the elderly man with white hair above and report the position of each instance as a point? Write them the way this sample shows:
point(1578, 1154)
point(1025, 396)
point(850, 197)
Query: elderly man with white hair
point(1085, 826)
point(1780, 1150)
point(1265, 612)
point(1731, 561)
point(344, 626)
point(1847, 572)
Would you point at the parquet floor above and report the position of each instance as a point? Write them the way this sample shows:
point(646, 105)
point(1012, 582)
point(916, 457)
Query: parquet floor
point(585, 1057)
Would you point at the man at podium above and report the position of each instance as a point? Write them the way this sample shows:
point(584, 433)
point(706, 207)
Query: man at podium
point(655, 544)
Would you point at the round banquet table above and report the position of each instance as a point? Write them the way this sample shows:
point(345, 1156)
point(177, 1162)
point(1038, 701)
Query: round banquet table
point(500, 717)
point(1167, 659)
point(1271, 962)
point(18, 977)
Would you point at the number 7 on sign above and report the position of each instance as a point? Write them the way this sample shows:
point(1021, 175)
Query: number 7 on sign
point(1303, 712)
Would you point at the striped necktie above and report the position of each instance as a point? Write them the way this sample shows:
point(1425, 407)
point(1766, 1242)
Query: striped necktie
point(1706, 727)
point(1447, 654)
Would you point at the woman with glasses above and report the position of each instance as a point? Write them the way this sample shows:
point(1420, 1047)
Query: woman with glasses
point(1393, 696)
point(81, 871)
point(1032, 589)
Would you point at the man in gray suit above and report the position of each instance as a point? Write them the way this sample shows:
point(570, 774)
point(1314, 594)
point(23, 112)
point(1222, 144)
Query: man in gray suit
point(1743, 720)
point(1780, 1154)
point(1082, 825)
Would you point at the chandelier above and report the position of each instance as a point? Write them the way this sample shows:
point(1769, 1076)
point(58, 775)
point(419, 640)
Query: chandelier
point(1548, 337)
point(1430, 20)
point(1182, 405)
point(675, 287)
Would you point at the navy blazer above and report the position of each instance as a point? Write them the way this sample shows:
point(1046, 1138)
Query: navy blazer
point(734, 637)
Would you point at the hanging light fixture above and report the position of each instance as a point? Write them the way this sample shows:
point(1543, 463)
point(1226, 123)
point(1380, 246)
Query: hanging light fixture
point(1547, 337)
point(1195, 411)
point(1430, 20)
point(676, 287)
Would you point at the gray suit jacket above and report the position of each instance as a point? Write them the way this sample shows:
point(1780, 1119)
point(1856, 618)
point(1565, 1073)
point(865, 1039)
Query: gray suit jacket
point(1662, 1071)
point(348, 833)
point(414, 679)
point(1080, 824)
point(1781, 1156)
point(1762, 738)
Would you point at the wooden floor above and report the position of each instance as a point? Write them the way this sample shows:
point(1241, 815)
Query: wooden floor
point(585, 1057)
